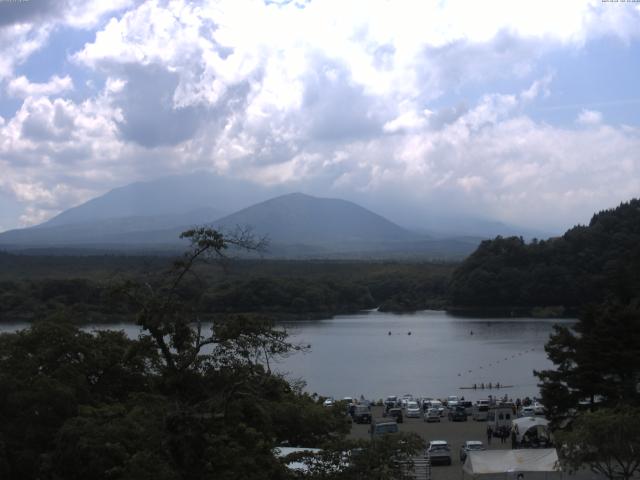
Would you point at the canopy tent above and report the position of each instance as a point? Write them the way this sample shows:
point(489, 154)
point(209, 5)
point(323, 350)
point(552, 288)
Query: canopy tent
point(531, 431)
point(524, 464)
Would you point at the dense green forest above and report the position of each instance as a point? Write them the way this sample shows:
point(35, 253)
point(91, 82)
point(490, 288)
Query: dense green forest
point(585, 265)
point(84, 288)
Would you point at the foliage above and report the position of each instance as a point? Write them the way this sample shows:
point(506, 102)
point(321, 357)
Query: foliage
point(291, 289)
point(177, 402)
point(598, 361)
point(586, 264)
point(607, 441)
point(387, 458)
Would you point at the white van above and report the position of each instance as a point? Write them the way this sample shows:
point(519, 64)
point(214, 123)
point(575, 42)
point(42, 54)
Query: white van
point(499, 417)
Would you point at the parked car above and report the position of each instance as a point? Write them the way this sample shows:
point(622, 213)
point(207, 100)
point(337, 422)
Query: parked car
point(470, 445)
point(439, 452)
point(432, 415)
point(394, 413)
point(406, 398)
point(425, 403)
point(457, 414)
point(437, 404)
point(527, 411)
point(468, 407)
point(328, 402)
point(391, 401)
point(412, 410)
point(361, 414)
point(382, 426)
point(538, 408)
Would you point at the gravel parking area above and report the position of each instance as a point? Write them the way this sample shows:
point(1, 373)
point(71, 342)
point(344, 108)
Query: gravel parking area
point(456, 433)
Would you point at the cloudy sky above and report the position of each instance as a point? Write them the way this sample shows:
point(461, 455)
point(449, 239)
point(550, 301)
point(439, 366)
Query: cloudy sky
point(527, 112)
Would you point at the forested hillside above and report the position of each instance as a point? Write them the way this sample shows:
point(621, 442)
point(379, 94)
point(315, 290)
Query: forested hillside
point(585, 265)
point(82, 289)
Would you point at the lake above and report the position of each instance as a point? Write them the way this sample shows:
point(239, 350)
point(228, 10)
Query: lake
point(353, 355)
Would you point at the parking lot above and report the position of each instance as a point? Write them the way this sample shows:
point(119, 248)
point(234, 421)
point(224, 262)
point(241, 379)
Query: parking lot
point(455, 433)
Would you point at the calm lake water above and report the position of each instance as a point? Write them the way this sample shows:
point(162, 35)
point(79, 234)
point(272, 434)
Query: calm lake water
point(353, 355)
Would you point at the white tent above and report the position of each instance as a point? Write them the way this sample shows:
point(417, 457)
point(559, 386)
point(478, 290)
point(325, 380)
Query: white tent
point(524, 464)
point(535, 427)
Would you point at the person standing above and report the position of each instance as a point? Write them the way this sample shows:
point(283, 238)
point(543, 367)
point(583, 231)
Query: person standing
point(489, 434)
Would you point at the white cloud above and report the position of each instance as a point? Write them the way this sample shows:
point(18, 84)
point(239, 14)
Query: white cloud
point(22, 87)
point(589, 117)
point(333, 95)
point(540, 87)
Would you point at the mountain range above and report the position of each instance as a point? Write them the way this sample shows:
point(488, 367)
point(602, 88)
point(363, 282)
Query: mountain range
point(149, 216)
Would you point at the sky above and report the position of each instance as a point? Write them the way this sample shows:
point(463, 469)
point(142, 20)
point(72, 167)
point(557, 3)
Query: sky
point(523, 112)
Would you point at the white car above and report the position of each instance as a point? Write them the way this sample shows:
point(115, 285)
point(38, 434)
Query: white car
point(412, 410)
point(528, 411)
point(538, 409)
point(437, 404)
point(406, 398)
point(328, 402)
point(470, 446)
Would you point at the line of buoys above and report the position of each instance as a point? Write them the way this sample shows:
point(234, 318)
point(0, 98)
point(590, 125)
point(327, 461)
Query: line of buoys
point(497, 362)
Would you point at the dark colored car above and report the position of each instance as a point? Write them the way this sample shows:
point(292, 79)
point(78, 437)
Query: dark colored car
point(458, 414)
point(361, 414)
point(394, 413)
point(380, 427)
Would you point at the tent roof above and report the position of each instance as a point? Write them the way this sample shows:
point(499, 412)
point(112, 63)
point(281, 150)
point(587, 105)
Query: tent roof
point(526, 423)
point(503, 461)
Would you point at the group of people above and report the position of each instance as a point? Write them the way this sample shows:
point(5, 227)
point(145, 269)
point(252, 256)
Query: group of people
point(501, 432)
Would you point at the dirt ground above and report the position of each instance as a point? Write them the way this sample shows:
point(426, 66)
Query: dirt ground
point(456, 433)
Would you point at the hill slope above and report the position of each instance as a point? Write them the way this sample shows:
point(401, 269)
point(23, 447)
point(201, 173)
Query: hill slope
point(586, 264)
point(302, 219)
point(174, 195)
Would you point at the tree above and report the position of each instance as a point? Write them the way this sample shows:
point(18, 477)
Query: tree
point(597, 362)
point(386, 458)
point(607, 441)
point(177, 402)
point(593, 396)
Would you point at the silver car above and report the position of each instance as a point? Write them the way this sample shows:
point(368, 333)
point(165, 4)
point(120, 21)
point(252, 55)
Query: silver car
point(439, 452)
point(432, 415)
point(412, 410)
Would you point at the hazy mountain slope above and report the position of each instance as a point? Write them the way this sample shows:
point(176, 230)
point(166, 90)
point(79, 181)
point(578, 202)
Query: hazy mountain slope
point(172, 195)
point(126, 230)
point(302, 219)
point(297, 225)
